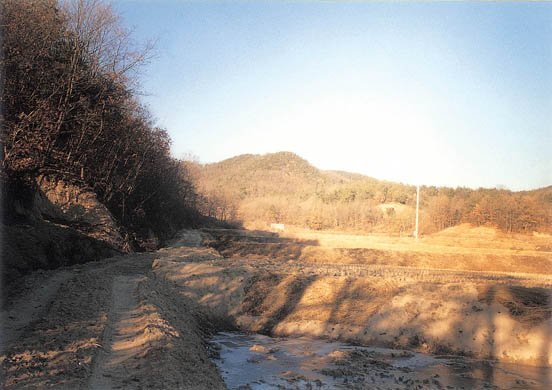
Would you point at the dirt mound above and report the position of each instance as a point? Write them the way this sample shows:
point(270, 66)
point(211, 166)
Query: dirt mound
point(468, 230)
point(531, 305)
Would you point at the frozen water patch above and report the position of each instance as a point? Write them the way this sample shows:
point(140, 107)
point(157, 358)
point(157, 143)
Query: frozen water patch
point(262, 362)
point(253, 361)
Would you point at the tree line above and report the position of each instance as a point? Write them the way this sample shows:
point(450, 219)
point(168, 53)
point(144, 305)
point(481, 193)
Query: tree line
point(283, 188)
point(70, 110)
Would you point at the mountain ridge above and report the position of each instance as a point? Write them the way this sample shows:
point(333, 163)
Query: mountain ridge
point(352, 176)
point(284, 187)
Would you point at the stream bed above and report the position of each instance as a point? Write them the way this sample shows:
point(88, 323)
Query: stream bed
point(254, 361)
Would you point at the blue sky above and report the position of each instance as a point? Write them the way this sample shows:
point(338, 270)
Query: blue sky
point(452, 93)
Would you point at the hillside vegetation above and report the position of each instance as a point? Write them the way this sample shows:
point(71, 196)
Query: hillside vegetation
point(284, 188)
point(73, 128)
point(71, 112)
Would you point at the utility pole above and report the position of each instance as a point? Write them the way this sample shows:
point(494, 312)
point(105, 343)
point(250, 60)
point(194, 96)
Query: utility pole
point(417, 209)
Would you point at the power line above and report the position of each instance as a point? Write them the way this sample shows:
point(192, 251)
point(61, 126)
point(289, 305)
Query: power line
point(417, 209)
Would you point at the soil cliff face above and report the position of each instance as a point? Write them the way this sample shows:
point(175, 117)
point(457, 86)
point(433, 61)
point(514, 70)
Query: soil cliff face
point(70, 205)
point(56, 223)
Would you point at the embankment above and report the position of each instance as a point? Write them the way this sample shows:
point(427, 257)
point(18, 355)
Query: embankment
point(499, 316)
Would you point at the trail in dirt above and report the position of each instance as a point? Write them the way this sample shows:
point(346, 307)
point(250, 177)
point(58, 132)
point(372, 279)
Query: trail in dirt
point(29, 307)
point(119, 339)
point(106, 325)
point(55, 347)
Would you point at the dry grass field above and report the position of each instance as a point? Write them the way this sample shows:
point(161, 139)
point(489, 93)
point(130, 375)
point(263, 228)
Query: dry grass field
point(461, 248)
point(458, 239)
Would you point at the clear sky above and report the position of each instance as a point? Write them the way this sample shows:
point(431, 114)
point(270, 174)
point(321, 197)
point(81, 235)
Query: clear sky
point(451, 93)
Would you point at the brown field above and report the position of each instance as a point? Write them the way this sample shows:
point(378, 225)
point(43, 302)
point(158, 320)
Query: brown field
point(477, 298)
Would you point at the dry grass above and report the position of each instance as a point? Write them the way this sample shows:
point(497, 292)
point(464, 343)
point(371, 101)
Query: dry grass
point(369, 254)
point(459, 239)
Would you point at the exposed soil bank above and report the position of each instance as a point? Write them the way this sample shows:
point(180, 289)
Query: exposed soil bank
point(497, 316)
point(45, 245)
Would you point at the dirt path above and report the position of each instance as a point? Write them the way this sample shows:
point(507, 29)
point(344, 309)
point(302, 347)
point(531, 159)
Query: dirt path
point(118, 341)
point(105, 325)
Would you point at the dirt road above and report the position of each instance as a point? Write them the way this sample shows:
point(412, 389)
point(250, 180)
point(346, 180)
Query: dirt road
point(143, 320)
point(104, 325)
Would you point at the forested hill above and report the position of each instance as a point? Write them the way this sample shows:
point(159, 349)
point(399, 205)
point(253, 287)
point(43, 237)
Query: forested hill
point(251, 175)
point(85, 172)
point(71, 115)
point(286, 174)
point(283, 187)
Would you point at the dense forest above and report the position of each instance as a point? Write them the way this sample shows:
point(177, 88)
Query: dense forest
point(71, 111)
point(282, 187)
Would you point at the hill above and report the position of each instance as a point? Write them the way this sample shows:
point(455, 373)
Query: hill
point(251, 176)
point(287, 174)
point(284, 188)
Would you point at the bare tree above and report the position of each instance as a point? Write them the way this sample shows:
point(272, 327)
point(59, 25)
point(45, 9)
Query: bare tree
point(103, 39)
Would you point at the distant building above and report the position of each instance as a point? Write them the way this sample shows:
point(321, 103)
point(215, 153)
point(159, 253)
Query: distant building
point(277, 226)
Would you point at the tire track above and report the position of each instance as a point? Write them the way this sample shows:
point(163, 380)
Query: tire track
point(119, 344)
